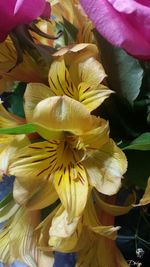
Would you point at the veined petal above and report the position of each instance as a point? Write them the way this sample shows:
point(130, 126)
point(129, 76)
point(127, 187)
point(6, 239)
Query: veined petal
point(97, 137)
point(44, 197)
point(17, 239)
point(4, 247)
point(35, 92)
point(93, 97)
point(72, 187)
point(91, 71)
point(60, 81)
point(13, 145)
point(8, 211)
point(37, 160)
point(62, 113)
point(105, 168)
point(38, 196)
point(22, 241)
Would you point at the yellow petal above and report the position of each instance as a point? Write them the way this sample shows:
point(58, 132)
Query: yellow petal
point(97, 137)
point(92, 72)
point(44, 197)
point(93, 223)
point(7, 119)
point(60, 81)
point(36, 197)
point(64, 235)
point(35, 92)
point(27, 71)
point(63, 114)
point(146, 197)
point(45, 260)
point(8, 211)
point(114, 210)
point(35, 161)
point(18, 241)
point(60, 226)
point(92, 97)
point(89, 71)
point(13, 145)
point(72, 192)
point(4, 247)
point(105, 168)
point(43, 230)
point(100, 253)
point(78, 52)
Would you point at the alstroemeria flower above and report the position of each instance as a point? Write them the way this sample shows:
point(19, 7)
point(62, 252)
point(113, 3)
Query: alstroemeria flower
point(98, 249)
point(82, 81)
point(77, 152)
point(72, 11)
point(120, 23)
point(56, 234)
point(17, 12)
point(27, 71)
point(18, 240)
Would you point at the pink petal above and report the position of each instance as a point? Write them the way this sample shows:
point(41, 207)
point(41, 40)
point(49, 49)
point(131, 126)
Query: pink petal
point(17, 12)
point(120, 23)
point(47, 11)
point(18, 5)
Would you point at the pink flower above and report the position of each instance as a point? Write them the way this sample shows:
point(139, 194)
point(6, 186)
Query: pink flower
point(124, 23)
point(17, 12)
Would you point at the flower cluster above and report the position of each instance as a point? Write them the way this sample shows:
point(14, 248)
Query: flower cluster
point(65, 167)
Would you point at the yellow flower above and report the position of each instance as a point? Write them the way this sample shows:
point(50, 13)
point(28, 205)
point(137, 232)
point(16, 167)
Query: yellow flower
point(92, 238)
point(81, 79)
point(77, 152)
point(56, 234)
point(18, 240)
point(27, 71)
point(100, 250)
point(72, 11)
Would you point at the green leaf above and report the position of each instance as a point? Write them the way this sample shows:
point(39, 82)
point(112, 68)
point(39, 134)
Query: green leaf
point(69, 31)
point(138, 167)
point(6, 199)
point(17, 100)
point(33, 128)
point(140, 143)
point(22, 129)
point(124, 72)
